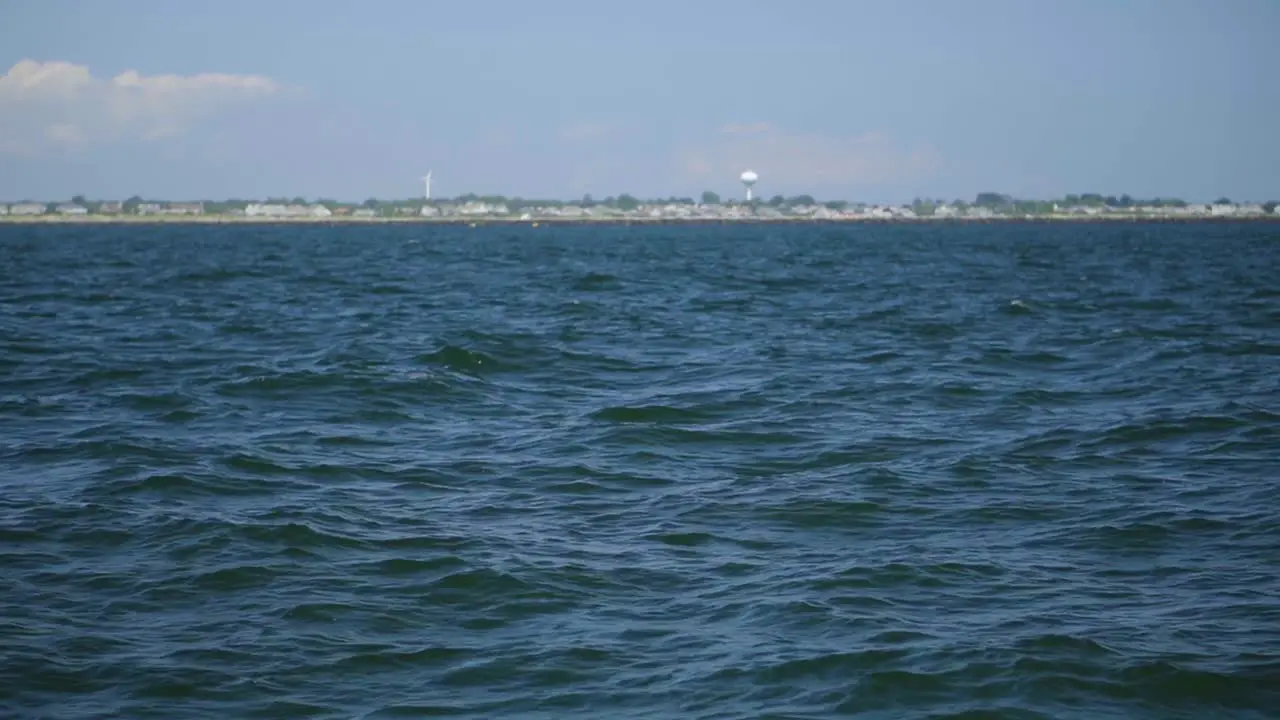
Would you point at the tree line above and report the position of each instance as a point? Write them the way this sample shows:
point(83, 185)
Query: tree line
point(626, 202)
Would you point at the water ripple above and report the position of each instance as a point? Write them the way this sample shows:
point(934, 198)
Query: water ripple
point(785, 472)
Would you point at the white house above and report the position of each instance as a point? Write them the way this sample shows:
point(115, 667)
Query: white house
point(480, 208)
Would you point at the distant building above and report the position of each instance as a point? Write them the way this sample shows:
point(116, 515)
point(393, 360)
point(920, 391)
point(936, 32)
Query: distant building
point(4, 209)
point(72, 209)
point(429, 211)
point(178, 208)
point(149, 209)
point(27, 209)
point(112, 207)
point(286, 211)
point(363, 213)
point(264, 210)
point(480, 208)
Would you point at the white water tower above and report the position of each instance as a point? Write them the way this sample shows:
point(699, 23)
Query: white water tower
point(749, 178)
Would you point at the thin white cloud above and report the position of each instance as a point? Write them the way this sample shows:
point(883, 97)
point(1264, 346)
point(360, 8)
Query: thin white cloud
point(794, 162)
point(62, 105)
point(755, 128)
point(65, 134)
point(583, 132)
point(499, 138)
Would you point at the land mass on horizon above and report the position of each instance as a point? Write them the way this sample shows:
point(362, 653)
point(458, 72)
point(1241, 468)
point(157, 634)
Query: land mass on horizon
point(709, 207)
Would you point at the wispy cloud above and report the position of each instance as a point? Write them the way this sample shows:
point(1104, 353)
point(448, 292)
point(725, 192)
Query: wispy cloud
point(499, 138)
point(796, 161)
point(63, 105)
point(583, 132)
point(755, 128)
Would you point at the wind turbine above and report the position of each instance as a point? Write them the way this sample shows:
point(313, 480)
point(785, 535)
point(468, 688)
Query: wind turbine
point(426, 190)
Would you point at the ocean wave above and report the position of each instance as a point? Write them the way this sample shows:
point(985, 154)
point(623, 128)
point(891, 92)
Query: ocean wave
point(639, 472)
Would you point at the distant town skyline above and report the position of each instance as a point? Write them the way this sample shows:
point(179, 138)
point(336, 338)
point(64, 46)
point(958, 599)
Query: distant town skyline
point(706, 197)
point(866, 101)
point(709, 205)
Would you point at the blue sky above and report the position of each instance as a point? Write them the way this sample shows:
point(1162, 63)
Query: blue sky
point(876, 101)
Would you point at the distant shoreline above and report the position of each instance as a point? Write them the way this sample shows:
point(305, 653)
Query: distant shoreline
point(490, 220)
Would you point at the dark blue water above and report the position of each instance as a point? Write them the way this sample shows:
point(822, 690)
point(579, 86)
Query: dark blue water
point(1022, 471)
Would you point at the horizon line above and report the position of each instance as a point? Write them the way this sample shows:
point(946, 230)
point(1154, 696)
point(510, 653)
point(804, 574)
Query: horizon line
point(982, 198)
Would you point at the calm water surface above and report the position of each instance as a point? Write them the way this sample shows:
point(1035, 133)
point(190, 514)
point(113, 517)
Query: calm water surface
point(1001, 471)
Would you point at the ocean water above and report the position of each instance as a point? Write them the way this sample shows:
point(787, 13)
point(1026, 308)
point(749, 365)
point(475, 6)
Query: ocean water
point(995, 471)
